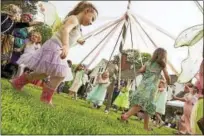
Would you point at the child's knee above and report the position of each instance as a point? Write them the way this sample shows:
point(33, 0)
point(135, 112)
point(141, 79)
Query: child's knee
point(21, 65)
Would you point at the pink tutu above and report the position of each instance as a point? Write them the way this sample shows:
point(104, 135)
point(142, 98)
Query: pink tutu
point(47, 60)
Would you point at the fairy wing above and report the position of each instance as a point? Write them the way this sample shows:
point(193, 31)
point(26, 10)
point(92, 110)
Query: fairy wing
point(189, 36)
point(47, 13)
point(193, 39)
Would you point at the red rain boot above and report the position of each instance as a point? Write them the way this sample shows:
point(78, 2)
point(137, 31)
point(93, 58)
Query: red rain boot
point(47, 94)
point(19, 82)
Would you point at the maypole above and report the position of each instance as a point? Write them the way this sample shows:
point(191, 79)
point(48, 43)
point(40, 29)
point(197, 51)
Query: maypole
point(124, 35)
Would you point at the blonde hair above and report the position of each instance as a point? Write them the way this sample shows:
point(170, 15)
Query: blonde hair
point(13, 9)
point(38, 34)
point(160, 56)
point(81, 6)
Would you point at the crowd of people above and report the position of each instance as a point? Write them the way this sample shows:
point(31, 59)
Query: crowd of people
point(22, 48)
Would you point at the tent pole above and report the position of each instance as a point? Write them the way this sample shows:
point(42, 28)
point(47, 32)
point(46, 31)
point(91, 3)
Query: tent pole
point(131, 34)
point(129, 2)
point(119, 69)
point(122, 30)
point(122, 43)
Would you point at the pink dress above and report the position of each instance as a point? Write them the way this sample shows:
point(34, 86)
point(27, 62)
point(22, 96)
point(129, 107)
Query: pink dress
point(199, 83)
point(185, 126)
point(47, 59)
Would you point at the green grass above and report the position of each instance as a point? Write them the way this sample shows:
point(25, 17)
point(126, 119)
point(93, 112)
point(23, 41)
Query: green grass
point(23, 113)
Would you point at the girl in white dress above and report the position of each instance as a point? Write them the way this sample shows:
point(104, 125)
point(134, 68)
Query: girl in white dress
point(78, 81)
point(160, 101)
point(29, 49)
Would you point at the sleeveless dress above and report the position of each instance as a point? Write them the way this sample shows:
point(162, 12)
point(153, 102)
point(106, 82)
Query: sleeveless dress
point(98, 93)
point(160, 102)
point(123, 98)
point(147, 89)
point(78, 81)
point(28, 53)
point(184, 126)
point(47, 59)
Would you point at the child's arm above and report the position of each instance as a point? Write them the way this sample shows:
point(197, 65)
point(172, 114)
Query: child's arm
point(67, 27)
point(180, 99)
point(38, 46)
point(161, 89)
point(141, 70)
point(98, 78)
point(81, 41)
point(34, 23)
point(103, 82)
point(166, 75)
point(20, 49)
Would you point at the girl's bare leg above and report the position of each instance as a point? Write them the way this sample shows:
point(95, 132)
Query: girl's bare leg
point(21, 68)
point(159, 118)
point(133, 110)
point(75, 95)
point(146, 121)
point(35, 76)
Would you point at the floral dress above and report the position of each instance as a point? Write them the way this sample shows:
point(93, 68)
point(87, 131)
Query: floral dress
point(146, 92)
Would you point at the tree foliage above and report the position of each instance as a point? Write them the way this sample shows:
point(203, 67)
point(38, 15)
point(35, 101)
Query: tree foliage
point(133, 57)
point(26, 6)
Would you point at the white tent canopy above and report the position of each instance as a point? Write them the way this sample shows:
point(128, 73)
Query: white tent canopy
point(173, 16)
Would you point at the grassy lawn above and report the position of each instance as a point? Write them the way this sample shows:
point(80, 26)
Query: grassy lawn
point(23, 113)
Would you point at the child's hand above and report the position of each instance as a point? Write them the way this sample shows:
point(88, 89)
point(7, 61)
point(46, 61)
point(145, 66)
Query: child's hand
point(64, 53)
point(173, 97)
point(17, 50)
point(81, 41)
point(161, 89)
